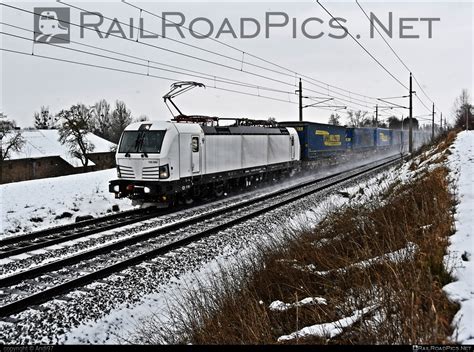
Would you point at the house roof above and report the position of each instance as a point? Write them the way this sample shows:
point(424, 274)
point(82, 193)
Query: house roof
point(45, 143)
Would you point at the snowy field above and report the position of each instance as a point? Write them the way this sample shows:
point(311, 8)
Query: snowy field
point(461, 248)
point(37, 204)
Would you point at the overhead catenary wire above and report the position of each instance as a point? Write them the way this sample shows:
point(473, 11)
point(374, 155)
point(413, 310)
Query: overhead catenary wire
point(190, 56)
point(397, 56)
point(362, 46)
point(159, 47)
point(293, 72)
point(147, 65)
point(130, 72)
point(170, 79)
point(237, 60)
point(241, 60)
point(198, 74)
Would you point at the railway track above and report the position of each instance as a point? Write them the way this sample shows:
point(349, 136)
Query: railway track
point(42, 283)
point(15, 245)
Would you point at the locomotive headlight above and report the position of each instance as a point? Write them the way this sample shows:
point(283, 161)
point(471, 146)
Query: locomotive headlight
point(164, 171)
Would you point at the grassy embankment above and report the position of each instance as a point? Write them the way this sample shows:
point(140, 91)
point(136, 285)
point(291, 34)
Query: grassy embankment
point(384, 257)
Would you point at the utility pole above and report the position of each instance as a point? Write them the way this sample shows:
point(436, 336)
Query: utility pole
point(441, 121)
point(376, 115)
point(432, 123)
point(410, 124)
point(300, 93)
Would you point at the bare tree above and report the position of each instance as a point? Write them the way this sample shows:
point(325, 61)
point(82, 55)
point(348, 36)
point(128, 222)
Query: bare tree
point(75, 124)
point(356, 118)
point(44, 120)
point(368, 122)
point(121, 118)
point(335, 119)
point(10, 140)
point(461, 109)
point(102, 119)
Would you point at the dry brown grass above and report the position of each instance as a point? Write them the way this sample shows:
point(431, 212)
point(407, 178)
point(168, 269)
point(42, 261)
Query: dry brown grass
point(411, 307)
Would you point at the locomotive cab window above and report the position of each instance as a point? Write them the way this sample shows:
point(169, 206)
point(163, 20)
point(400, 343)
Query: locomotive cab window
point(144, 141)
point(195, 144)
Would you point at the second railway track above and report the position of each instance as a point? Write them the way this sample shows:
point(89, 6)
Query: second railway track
point(15, 245)
point(44, 282)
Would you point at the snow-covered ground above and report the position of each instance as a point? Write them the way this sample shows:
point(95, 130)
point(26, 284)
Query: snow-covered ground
point(37, 204)
point(461, 248)
point(121, 320)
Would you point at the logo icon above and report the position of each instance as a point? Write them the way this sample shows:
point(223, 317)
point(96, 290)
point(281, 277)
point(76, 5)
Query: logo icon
point(51, 25)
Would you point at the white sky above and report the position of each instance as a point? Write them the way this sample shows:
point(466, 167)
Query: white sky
point(443, 64)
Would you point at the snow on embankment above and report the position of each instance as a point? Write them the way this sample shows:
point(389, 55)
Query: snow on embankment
point(37, 204)
point(461, 248)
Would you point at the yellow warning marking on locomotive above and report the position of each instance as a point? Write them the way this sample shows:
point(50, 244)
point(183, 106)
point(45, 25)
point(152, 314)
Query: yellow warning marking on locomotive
point(330, 140)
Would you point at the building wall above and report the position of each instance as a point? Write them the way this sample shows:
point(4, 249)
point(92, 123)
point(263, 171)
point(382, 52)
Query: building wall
point(103, 160)
point(30, 169)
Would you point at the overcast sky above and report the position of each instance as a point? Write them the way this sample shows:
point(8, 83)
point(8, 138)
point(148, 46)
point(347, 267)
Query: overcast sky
point(443, 64)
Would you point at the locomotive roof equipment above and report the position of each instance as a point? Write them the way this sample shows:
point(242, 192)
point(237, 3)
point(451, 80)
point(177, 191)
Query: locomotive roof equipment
point(179, 88)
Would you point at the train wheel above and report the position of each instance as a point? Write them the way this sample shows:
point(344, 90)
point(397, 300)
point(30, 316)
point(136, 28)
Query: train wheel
point(219, 189)
point(188, 199)
point(137, 202)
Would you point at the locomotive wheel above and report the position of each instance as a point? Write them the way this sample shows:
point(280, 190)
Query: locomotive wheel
point(137, 202)
point(219, 190)
point(188, 200)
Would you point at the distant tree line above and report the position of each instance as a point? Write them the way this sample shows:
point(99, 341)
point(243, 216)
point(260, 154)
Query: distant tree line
point(98, 118)
point(359, 118)
point(74, 123)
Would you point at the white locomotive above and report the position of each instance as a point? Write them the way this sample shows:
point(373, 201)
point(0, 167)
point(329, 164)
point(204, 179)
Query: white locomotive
point(187, 159)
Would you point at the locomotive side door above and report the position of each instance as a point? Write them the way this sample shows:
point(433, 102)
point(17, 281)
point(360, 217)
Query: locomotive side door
point(292, 146)
point(195, 154)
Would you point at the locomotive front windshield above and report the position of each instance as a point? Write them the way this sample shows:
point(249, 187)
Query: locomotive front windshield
point(141, 141)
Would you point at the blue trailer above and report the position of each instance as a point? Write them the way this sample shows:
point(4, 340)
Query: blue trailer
point(360, 138)
point(397, 138)
point(319, 140)
point(383, 137)
point(405, 137)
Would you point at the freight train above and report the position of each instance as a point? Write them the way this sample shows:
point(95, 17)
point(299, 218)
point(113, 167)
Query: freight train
point(193, 157)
